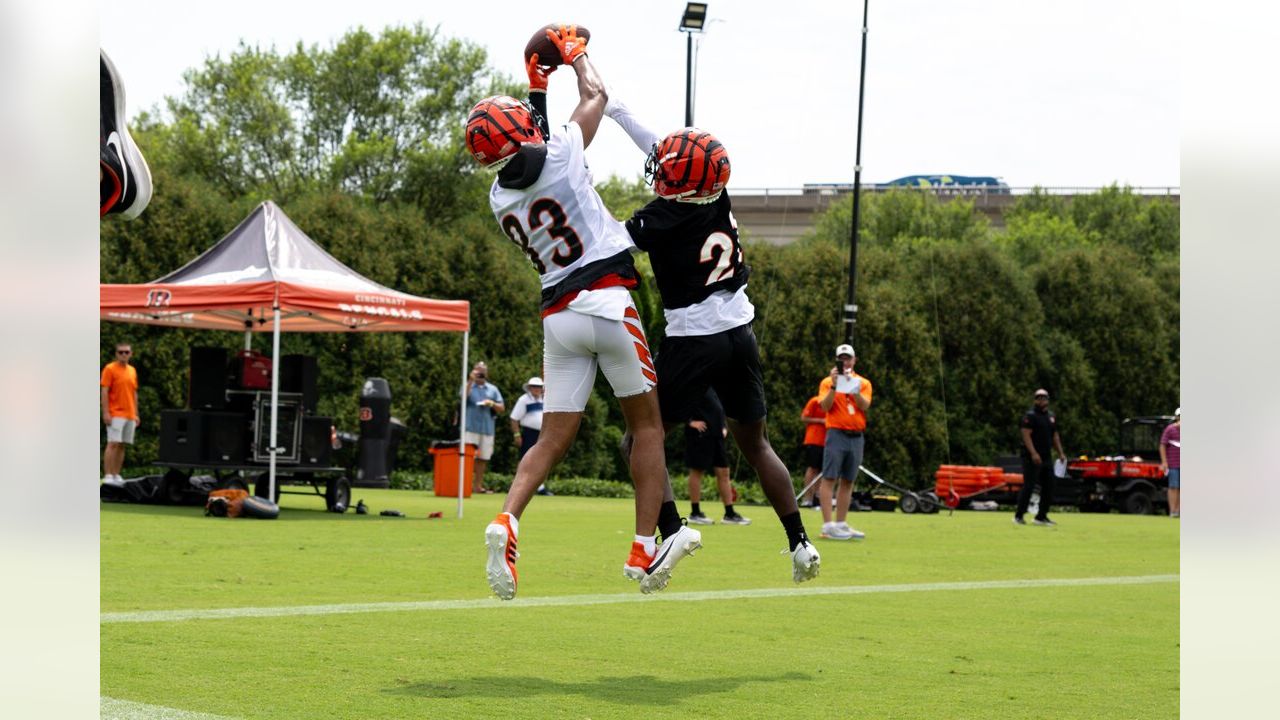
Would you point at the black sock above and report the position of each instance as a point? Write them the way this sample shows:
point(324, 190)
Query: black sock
point(669, 519)
point(728, 511)
point(694, 509)
point(795, 529)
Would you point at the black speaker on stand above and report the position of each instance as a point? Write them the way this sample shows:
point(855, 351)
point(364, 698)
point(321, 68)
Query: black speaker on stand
point(317, 441)
point(226, 437)
point(299, 374)
point(181, 436)
point(207, 381)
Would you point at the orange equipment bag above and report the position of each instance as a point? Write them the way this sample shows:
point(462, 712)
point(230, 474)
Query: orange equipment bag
point(225, 503)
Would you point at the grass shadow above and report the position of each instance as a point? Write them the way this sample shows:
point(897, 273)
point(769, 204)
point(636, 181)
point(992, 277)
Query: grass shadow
point(634, 690)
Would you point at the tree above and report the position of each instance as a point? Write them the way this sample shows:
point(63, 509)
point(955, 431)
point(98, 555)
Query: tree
point(1104, 300)
point(375, 116)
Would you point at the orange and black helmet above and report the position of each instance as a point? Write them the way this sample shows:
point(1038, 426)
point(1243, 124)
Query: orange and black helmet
point(689, 165)
point(497, 127)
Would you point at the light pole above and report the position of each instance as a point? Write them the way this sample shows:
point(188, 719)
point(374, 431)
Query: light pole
point(851, 307)
point(694, 20)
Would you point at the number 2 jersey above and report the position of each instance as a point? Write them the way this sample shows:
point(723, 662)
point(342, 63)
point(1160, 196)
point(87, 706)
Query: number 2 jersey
point(565, 230)
point(697, 263)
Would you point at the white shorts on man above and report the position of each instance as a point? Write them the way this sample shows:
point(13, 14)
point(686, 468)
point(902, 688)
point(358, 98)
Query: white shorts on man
point(483, 443)
point(599, 328)
point(121, 430)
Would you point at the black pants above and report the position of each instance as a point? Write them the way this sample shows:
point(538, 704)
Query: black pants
point(1032, 474)
point(528, 436)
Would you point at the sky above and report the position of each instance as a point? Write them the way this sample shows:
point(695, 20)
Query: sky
point(1037, 93)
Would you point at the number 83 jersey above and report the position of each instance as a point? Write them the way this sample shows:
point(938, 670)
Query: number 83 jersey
point(559, 221)
point(696, 255)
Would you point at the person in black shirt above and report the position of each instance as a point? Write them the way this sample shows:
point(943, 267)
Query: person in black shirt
point(1039, 435)
point(704, 451)
point(692, 240)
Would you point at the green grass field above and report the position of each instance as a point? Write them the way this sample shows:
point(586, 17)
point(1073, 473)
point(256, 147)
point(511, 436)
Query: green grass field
point(1068, 651)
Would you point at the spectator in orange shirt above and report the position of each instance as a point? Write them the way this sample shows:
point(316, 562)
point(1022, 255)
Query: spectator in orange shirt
point(815, 437)
point(119, 390)
point(846, 396)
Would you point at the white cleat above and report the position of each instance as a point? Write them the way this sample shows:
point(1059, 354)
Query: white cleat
point(805, 562)
point(501, 567)
point(671, 551)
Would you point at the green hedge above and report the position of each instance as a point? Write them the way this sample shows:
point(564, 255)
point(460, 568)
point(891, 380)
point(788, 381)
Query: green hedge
point(748, 493)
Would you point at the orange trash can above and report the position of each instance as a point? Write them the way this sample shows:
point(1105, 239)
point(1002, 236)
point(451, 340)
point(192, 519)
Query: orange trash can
point(445, 461)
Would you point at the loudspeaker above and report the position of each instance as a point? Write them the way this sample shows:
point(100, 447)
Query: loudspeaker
point(317, 445)
point(207, 381)
point(226, 437)
point(181, 436)
point(195, 437)
point(299, 373)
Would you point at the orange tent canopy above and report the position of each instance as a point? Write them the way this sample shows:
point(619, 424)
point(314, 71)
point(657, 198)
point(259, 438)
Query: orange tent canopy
point(266, 275)
point(268, 262)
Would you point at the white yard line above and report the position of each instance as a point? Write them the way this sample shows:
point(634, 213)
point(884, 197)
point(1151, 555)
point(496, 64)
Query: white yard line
point(148, 616)
point(113, 709)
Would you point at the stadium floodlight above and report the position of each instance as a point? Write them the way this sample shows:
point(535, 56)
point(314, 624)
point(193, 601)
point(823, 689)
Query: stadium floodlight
point(695, 16)
point(694, 20)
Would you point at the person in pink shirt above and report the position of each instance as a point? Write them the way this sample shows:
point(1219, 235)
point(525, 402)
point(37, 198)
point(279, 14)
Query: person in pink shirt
point(1171, 460)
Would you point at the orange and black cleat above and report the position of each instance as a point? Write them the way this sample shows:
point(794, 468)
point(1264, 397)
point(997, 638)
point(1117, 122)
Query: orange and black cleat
point(500, 538)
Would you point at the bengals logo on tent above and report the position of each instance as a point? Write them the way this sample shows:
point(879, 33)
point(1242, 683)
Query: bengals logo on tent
point(159, 298)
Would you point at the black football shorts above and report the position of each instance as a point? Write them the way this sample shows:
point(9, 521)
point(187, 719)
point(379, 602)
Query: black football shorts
point(728, 362)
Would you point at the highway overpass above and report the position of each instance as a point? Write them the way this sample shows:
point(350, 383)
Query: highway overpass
point(781, 215)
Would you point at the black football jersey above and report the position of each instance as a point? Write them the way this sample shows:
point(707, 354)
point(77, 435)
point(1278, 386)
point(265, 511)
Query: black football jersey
point(694, 248)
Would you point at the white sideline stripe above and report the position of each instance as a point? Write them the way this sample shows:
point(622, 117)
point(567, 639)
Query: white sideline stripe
point(113, 709)
point(147, 616)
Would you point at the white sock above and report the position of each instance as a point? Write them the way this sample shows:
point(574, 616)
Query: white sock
point(649, 542)
point(515, 524)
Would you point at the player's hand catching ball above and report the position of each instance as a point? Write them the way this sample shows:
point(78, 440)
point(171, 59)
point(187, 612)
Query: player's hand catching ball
point(538, 73)
point(567, 41)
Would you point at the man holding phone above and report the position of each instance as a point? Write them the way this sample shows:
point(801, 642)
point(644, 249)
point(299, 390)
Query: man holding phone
point(846, 397)
point(484, 404)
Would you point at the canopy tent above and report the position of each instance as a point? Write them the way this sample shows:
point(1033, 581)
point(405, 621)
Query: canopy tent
point(266, 275)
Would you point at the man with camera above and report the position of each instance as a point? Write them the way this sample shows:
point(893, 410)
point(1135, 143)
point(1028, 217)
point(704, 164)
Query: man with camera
point(846, 397)
point(484, 405)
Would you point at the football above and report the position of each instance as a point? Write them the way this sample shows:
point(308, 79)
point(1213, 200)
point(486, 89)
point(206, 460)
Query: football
point(547, 52)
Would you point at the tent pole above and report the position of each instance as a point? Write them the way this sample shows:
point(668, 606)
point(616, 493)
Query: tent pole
point(462, 423)
point(275, 403)
point(248, 331)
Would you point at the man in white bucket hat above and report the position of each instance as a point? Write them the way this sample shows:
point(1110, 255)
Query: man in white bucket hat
point(526, 420)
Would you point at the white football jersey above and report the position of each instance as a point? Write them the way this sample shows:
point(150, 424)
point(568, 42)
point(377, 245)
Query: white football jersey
point(559, 221)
